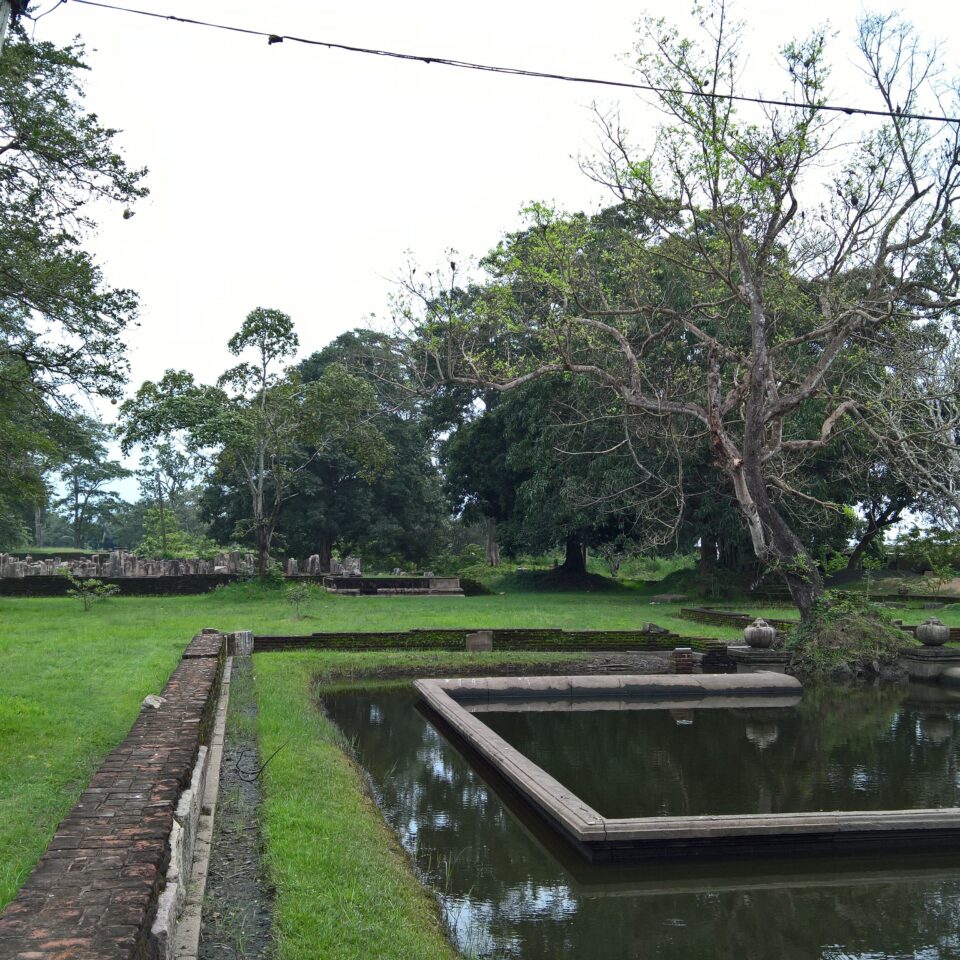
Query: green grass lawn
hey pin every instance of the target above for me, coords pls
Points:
(344, 886)
(71, 682)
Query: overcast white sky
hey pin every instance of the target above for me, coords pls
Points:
(296, 177)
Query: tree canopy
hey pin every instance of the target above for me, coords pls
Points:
(731, 299)
(61, 322)
(260, 420)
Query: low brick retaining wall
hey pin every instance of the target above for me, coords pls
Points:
(552, 641)
(94, 892)
(725, 618)
(728, 618)
(57, 586)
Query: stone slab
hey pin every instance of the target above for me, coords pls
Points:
(457, 701)
(929, 663)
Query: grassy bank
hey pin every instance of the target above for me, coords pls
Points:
(344, 886)
(67, 697)
(71, 682)
(266, 610)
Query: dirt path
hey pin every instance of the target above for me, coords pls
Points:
(238, 899)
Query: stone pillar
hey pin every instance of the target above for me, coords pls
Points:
(682, 660)
(240, 643)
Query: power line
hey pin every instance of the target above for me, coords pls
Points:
(273, 38)
(46, 13)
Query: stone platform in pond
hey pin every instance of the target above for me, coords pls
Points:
(457, 706)
(932, 664)
(394, 586)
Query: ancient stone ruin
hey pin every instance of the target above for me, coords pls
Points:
(119, 563)
(311, 567)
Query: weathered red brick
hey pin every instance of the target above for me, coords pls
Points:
(103, 870)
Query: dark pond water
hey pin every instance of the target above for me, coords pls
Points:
(824, 753)
(511, 888)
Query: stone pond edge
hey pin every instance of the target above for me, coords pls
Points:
(599, 838)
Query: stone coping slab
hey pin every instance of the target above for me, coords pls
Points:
(649, 686)
(588, 704)
(599, 838)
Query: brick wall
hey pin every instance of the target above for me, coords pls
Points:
(728, 618)
(94, 892)
(543, 640)
(57, 586)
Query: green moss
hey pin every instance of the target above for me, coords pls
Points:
(846, 634)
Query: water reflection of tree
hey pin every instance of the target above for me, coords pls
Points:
(512, 900)
(837, 749)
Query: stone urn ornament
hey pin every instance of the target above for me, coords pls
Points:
(933, 633)
(760, 635)
(762, 735)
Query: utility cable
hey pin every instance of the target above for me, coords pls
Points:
(273, 38)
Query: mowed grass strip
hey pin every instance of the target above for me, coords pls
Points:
(69, 692)
(71, 682)
(345, 890)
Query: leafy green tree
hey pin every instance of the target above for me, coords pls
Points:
(165, 476)
(935, 551)
(61, 324)
(530, 462)
(164, 540)
(261, 420)
(56, 160)
(85, 477)
(743, 306)
(479, 478)
(390, 517)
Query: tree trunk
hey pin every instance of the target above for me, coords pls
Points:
(493, 550)
(325, 553)
(575, 559)
(708, 554)
(875, 525)
(774, 543)
(783, 549)
(856, 557)
(263, 551)
(39, 527)
(163, 519)
(77, 516)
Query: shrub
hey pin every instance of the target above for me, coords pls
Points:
(846, 634)
(91, 591)
(474, 588)
(298, 594)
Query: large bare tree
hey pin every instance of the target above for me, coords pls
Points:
(782, 274)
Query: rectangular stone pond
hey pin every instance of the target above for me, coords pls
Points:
(571, 745)
(512, 886)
